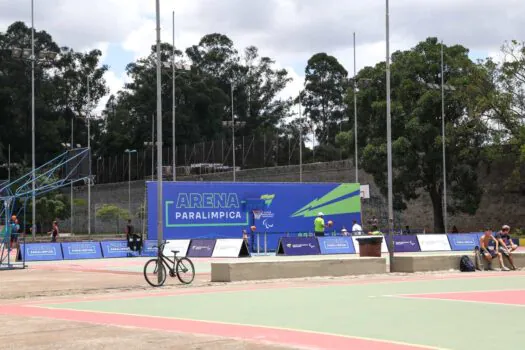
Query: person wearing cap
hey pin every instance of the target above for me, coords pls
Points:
(506, 246)
(490, 254)
(319, 225)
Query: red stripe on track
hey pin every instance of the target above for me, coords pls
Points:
(249, 333)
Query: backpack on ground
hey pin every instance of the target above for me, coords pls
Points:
(466, 265)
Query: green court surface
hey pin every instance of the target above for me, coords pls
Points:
(488, 311)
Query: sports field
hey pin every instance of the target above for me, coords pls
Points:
(106, 304)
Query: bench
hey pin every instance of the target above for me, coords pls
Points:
(260, 269)
(446, 261)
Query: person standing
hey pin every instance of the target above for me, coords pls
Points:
(357, 229)
(54, 232)
(129, 230)
(319, 225)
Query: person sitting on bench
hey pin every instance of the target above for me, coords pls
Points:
(506, 246)
(489, 254)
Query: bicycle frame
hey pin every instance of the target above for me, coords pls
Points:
(165, 260)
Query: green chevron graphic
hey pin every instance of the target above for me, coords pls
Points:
(268, 199)
(329, 205)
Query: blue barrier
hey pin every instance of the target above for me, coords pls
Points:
(117, 249)
(463, 241)
(149, 248)
(202, 248)
(404, 243)
(336, 245)
(40, 252)
(81, 250)
(298, 246)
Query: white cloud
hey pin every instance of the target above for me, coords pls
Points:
(289, 31)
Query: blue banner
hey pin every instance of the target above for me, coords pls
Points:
(463, 241)
(150, 248)
(404, 243)
(81, 250)
(40, 252)
(298, 246)
(202, 248)
(116, 249)
(198, 210)
(336, 245)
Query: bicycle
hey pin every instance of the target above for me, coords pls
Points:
(176, 267)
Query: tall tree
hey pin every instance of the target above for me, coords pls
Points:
(416, 127)
(60, 93)
(323, 95)
(508, 109)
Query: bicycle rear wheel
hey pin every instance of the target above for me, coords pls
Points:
(185, 270)
(151, 270)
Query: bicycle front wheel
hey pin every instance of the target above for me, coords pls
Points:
(185, 270)
(151, 273)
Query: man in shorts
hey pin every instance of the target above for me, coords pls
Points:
(506, 246)
(489, 254)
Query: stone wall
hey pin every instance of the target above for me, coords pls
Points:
(497, 206)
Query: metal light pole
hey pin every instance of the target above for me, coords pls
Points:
(233, 134)
(173, 99)
(72, 207)
(9, 164)
(128, 151)
(355, 117)
(33, 151)
(389, 142)
(159, 148)
(300, 142)
(89, 155)
(445, 215)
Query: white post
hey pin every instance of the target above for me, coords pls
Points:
(9, 164)
(129, 182)
(173, 98)
(355, 117)
(389, 141)
(89, 155)
(233, 134)
(72, 207)
(445, 215)
(159, 147)
(33, 161)
(300, 142)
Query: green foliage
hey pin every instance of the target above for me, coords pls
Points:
(109, 213)
(322, 98)
(51, 207)
(202, 96)
(61, 94)
(79, 202)
(416, 127)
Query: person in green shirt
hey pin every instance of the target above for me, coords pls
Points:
(319, 225)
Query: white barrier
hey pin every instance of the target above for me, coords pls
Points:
(433, 243)
(181, 245)
(230, 248)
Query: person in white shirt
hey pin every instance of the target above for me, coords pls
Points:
(357, 229)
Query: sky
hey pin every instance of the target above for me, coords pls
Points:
(289, 31)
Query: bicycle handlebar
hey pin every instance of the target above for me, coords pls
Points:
(161, 245)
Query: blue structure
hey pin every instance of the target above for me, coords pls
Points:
(223, 210)
(70, 167)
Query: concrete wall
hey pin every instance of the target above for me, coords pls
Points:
(497, 206)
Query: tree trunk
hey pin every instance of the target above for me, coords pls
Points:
(437, 207)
